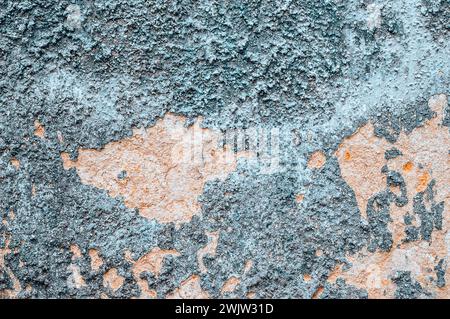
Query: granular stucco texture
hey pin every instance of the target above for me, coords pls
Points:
(225, 149)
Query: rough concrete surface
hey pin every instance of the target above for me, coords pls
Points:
(224, 149)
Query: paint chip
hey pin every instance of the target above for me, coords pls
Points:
(76, 252)
(318, 292)
(299, 198)
(96, 260)
(15, 162)
(424, 157)
(151, 262)
(317, 160)
(39, 129)
(209, 249)
(112, 280)
(189, 289)
(166, 168)
(230, 285)
(75, 280)
(251, 295)
(248, 266)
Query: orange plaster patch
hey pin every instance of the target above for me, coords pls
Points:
(189, 289)
(210, 248)
(112, 279)
(96, 260)
(75, 280)
(317, 160)
(425, 158)
(299, 198)
(150, 262)
(230, 285)
(15, 162)
(16, 287)
(39, 129)
(160, 170)
(76, 252)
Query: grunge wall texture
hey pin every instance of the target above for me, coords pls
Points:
(96, 96)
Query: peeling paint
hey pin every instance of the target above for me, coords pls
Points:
(189, 289)
(317, 160)
(150, 262)
(112, 279)
(209, 249)
(16, 286)
(96, 260)
(165, 168)
(424, 158)
(127, 169)
(75, 280)
(230, 285)
(39, 129)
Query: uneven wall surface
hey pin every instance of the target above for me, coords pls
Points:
(216, 149)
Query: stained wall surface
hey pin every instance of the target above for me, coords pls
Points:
(225, 149)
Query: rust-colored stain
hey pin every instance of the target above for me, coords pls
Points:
(96, 260)
(425, 158)
(423, 181)
(407, 167)
(230, 285)
(317, 160)
(39, 129)
(15, 162)
(373, 271)
(150, 262)
(209, 249)
(189, 289)
(317, 293)
(347, 155)
(112, 280)
(160, 170)
(425, 152)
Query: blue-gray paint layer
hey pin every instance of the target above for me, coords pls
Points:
(94, 70)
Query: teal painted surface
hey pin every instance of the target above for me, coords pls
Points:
(317, 70)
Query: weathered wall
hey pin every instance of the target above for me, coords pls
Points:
(129, 165)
